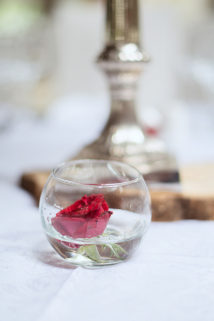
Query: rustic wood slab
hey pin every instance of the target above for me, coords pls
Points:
(194, 201)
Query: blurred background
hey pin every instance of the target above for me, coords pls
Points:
(54, 100)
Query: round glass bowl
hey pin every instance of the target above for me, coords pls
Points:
(95, 212)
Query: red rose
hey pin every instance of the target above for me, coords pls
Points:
(87, 217)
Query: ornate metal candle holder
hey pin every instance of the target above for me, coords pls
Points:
(123, 60)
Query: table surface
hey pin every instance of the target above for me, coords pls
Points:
(171, 277)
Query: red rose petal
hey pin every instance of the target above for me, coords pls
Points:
(86, 218)
(85, 205)
(67, 226)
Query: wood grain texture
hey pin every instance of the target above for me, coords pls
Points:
(195, 201)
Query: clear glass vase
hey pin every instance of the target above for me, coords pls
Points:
(95, 212)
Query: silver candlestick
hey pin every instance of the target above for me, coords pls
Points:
(123, 60)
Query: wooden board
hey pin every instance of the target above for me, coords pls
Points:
(194, 201)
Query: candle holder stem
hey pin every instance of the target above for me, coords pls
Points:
(123, 60)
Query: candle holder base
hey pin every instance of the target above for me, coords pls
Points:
(149, 155)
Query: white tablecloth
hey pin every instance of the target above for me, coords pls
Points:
(171, 277)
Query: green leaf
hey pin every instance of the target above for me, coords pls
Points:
(81, 250)
(92, 252)
(119, 249)
(116, 250)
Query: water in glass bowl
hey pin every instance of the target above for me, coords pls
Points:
(118, 242)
